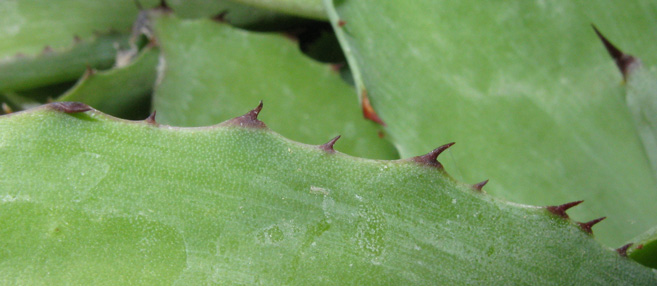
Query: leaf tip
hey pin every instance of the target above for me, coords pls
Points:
(368, 110)
(70, 107)
(328, 146)
(560, 210)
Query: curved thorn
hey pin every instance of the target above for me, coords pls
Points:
(151, 118)
(250, 119)
(560, 210)
(70, 107)
(480, 186)
(431, 158)
(623, 60)
(623, 249)
(586, 226)
(328, 146)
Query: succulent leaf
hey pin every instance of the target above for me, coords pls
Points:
(527, 90)
(227, 204)
(211, 71)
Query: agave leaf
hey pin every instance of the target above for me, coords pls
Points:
(27, 26)
(527, 90)
(55, 66)
(644, 249)
(230, 204)
(120, 90)
(211, 71)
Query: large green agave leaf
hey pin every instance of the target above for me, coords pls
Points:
(91, 199)
(210, 71)
(526, 88)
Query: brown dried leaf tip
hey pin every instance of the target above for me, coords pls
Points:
(624, 61)
(151, 118)
(70, 107)
(250, 119)
(480, 186)
(328, 146)
(561, 209)
(431, 158)
(623, 249)
(586, 226)
(368, 110)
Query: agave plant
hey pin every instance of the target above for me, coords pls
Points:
(203, 191)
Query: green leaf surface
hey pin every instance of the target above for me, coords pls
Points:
(525, 89)
(27, 26)
(212, 71)
(644, 249)
(234, 205)
(304, 8)
(642, 101)
(118, 91)
(65, 64)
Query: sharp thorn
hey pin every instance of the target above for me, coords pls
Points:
(586, 226)
(151, 118)
(624, 61)
(221, 17)
(480, 186)
(560, 210)
(70, 107)
(328, 146)
(250, 119)
(623, 249)
(431, 158)
(89, 71)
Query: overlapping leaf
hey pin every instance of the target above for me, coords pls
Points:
(211, 71)
(525, 88)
